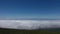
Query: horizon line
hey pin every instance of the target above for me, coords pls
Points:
(28, 19)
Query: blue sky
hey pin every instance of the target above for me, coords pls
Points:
(30, 9)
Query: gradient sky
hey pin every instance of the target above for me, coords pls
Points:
(30, 9)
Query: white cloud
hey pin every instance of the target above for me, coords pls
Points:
(29, 24)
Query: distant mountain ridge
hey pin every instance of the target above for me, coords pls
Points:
(28, 19)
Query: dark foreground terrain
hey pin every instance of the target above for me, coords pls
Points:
(41, 31)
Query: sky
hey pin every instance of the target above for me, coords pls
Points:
(30, 9)
(40, 9)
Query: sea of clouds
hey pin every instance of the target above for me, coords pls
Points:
(29, 24)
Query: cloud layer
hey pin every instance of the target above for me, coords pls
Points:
(29, 24)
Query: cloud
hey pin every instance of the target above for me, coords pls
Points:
(29, 24)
